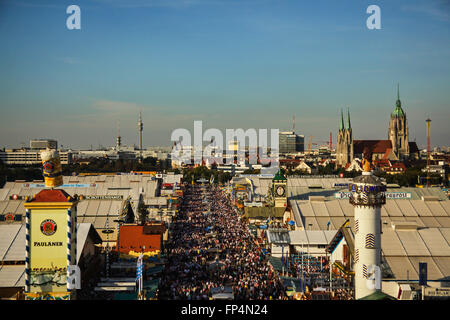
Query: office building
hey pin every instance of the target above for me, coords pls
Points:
(289, 142)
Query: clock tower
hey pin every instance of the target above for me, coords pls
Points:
(279, 190)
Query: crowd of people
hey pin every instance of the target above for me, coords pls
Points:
(315, 272)
(210, 247)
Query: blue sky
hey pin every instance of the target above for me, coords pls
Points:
(233, 64)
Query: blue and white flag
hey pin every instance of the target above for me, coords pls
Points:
(139, 267)
(174, 187)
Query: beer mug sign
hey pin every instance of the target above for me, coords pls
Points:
(51, 168)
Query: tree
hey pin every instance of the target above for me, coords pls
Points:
(142, 213)
(328, 169)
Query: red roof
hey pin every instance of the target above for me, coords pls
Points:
(290, 160)
(52, 195)
(399, 165)
(133, 238)
(382, 163)
(375, 146)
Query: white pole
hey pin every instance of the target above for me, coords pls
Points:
(331, 277)
(107, 248)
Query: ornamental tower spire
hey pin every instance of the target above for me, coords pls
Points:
(349, 126)
(398, 129)
(398, 111)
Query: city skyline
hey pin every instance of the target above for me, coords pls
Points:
(232, 64)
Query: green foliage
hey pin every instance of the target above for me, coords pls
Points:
(142, 213)
(96, 165)
(410, 177)
(26, 173)
(120, 165)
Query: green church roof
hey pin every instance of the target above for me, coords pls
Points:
(279, 176)
(341, 125)
(349, 126)
(398, 111)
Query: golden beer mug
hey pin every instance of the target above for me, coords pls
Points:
(51, 166)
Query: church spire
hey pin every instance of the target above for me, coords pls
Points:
(349, 126)
(398, 111)
(398, 103)
(341, 126)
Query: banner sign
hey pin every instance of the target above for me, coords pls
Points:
(253, 204)
(105, 197)
(340, 185)
(10, 217)
(16, 197)
(398, 195)
(437, 292)
(42, 185)
(389, 195)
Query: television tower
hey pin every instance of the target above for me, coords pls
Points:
(367, 197)
(140, 128)
(118, 140)
(293, 123)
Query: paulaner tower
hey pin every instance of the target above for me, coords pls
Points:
(51, 270)
(368, 195)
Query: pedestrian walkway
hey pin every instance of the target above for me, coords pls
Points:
(210, 247)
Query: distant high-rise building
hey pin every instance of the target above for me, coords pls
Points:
(30, 156)
(289, 142)
(43, 144)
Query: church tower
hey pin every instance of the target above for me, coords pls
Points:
(344, 147)
(398, 130)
